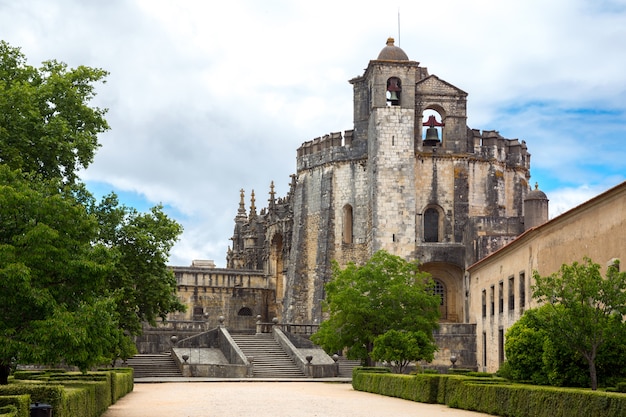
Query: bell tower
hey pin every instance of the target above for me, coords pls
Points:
(384, 116)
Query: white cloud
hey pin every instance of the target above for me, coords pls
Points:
(207, 98)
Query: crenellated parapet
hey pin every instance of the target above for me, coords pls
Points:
(490, 144)
(332, 147)
(332, 140)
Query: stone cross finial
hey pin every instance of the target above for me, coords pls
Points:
(241, 213)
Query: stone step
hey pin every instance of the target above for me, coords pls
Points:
(346, 366)
(155, 365)
(269, 359)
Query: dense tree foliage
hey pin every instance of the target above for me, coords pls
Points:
(400, 348)
(534, 354)
(576, 337)
(46, 124)
(588, 303)
(78, 277)
(365, 302)
(139, 243)
(53, 275)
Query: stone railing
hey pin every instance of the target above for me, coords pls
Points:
(300, 329)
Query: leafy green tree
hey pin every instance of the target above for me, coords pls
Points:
(46, 124)
(51, 270)
(77, 277)
(524, 346)
(365, 302)
(142, 284)
(537, 356)
(585, 306)
(400, 348)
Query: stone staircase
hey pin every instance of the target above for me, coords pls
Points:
(346, 366)
(153, 366)
(270, 360)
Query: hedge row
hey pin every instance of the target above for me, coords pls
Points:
(69, 394)
(8, 411)
(492, 396)
(20, 404)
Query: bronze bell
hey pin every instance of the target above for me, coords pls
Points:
(432, 137)
(393, 98)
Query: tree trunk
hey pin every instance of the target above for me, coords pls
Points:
(593, 374)
(5, 371)
(368, 359)
(591, 360)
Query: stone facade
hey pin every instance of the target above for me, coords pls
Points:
(410, 177)
(239, 295)
(447, 200)
(500, 285)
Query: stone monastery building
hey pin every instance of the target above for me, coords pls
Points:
(410, 177)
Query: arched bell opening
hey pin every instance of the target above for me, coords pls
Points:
(394, 91)
(433, 124)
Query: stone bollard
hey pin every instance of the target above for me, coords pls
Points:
(251, 366)
(259, 327)
(309, 366)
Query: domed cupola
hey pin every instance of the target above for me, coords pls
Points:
(392, 52)
(535, 208)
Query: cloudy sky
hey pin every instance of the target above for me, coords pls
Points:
(208, 97)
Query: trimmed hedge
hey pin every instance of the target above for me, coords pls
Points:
(486, 396)
(8, 411)
(122, 382)
(70, 394)
(21, 403)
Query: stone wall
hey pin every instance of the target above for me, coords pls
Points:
(237, 295)
(500, 289)
(458, 341)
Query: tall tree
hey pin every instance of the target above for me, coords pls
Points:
(585, 306)
(141, 282)
(46, 124)
(367, 301)
(77, 277)
(52, 272)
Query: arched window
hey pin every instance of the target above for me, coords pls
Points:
(431, 225)
(394, 90)
(244, 311)
(347, 223)
(440, 290)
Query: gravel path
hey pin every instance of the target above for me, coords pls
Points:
(265, 399)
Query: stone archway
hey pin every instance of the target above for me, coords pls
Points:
(449, 282)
